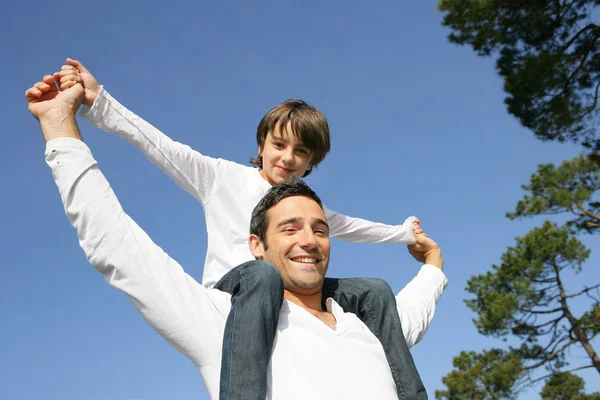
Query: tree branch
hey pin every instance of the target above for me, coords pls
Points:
(560, 372)
(587, 289)
(588, 27)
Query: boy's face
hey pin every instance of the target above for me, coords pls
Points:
(284, 157)
(298, 244)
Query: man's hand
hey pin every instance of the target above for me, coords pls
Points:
(74, 72)
(44, 98)
(427, 251)
(55, 109)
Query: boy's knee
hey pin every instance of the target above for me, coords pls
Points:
(263, 273)
(378, 287)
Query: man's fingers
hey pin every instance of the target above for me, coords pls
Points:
(42, 86)
(49, 80)
(32, 93)
(56, 76)
(77, 65)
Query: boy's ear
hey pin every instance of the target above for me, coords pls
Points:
(260, 151)
(256, 247)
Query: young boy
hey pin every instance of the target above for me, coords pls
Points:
(292, 138)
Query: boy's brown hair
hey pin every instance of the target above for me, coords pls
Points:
(308, 124)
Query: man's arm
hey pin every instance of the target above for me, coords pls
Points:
(416, 303)
(195, 173)
(185, 313)
(188, 315)
(353, 229)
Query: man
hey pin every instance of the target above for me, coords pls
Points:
(288, 230)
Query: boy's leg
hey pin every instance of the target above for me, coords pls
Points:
(256, 296)
(373, 301)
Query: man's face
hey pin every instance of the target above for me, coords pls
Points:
(284, 156)
(297, 244)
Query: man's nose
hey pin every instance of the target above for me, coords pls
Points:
(308, 240)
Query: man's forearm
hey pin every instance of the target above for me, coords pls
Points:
(59, 124)
(434, 257)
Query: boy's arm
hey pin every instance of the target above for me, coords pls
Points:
(188, 315)
(197, 174)
(194, 172)
(353, 229)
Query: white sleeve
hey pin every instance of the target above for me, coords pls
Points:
(353, 229)
(416, 302)
(188, 315)
(195, 173)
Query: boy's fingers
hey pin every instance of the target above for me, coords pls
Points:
(77, 65)
(69, 72)
(66, 85)
(68, 78)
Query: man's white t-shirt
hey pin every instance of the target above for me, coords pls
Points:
(309, 360)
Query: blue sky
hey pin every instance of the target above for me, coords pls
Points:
(418, 128)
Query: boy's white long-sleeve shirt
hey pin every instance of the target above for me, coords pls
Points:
(192, 317)
(228, 191)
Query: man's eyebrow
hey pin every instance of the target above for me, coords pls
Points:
(320, 221)
(292, 220)
(295, 220)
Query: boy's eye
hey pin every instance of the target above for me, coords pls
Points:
(304, 152)
(278, 145)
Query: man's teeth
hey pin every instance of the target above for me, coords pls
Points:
(306, 260)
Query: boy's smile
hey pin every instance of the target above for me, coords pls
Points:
(284, 156)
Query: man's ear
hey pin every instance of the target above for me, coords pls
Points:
(256, 247)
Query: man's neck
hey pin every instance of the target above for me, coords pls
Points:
(311, 302)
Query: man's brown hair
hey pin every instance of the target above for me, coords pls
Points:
(308, 124)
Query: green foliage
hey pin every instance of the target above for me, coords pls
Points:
(590, 321)
(510, 298)
(566, 386)
(547, 52)
(524, 299)
(568, 188)
(487, 376)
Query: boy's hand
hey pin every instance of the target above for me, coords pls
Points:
(74, 72)
(416, 225)
(427, 251)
